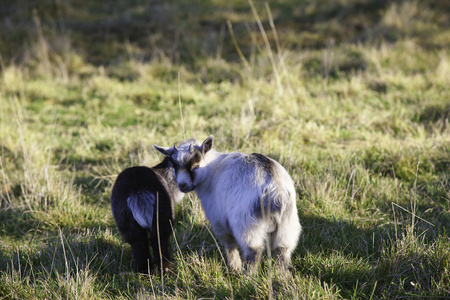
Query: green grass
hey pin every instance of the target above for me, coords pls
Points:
(351, 97)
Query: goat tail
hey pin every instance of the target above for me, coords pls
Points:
(276, 200)
(141, 205)
(288, 224)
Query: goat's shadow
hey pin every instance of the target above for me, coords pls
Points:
(340, 253)
(90, 251)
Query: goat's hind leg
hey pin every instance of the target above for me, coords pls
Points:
(140, 251)
(252, 242)
(283, 259)
(161, 261)
(253, 259)
(283, 245)
(284, 240)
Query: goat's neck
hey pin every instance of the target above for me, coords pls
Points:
(167, 178)
(212, 160)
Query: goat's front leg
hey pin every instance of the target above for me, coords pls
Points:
(231, 247)
(233, 257)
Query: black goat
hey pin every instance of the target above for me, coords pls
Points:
(139, 198)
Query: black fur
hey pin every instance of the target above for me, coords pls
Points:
(139, 182)
(262, 161)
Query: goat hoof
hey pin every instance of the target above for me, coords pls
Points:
(167, 267)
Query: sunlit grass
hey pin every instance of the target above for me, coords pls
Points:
(352, 99)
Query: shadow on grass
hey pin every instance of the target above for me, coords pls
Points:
(60, 257)
(16, 223)
(385, 260)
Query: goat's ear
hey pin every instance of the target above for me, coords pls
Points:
(167, 151)
(207, 144)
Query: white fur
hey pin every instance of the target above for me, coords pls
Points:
(230, 188)
(141, 206)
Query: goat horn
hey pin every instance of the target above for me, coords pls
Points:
(191, 148)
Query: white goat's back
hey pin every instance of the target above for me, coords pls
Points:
(253, 196)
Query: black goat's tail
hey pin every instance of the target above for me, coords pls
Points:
(142, 205)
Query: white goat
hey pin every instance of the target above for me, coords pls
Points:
(248, 199)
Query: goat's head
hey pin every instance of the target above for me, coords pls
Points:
(187, 161)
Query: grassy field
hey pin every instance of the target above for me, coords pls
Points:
(352, 97)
